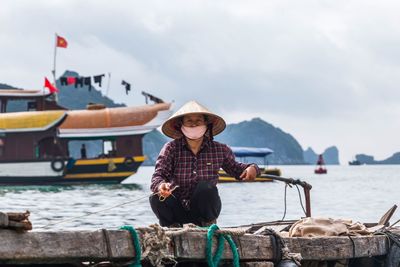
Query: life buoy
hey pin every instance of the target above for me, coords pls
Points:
(128, 161)
(57, 165)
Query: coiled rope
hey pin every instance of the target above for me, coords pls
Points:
(285, 254)
(393, 237)
(136, 245)
(214, 260)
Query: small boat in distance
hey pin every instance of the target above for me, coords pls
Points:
(243, 153)
(320, 169)
(354, 162)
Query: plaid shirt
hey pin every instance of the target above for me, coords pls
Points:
(178, 165)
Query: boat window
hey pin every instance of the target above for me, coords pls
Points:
(85, 148)
(109, 148)
(48, 148)
(32, 106)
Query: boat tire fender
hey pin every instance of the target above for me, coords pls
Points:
(129, 161)
(57, 165)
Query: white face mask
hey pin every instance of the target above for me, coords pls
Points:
(195, 132)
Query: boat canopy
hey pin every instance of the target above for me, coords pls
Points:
(22, 94)
(30, 121)
(251, 151)
(108, 122)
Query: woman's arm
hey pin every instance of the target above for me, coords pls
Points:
(237, 169)
(164, 167)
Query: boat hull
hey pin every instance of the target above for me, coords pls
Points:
(64, 172)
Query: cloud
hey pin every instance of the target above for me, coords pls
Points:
(312, 67)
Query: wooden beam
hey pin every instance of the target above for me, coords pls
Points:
(116, 245)
(387, 216)
(340, 247)
(253, 247)
(250, 247)
(64, 247)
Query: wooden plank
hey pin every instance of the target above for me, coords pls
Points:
(341, 247)
(250, 247)
(71, 246)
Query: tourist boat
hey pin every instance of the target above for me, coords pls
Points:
(42, 146)
(320, 169)
(243, 153)
(354, 162)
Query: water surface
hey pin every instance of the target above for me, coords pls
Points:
(360, 193)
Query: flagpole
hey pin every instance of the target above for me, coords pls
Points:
(44, 88)
(54, 62)
(54, 67)
(108, 83)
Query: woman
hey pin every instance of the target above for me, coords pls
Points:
(187, 168)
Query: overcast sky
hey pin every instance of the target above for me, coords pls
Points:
(326, 72)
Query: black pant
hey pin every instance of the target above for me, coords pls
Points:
(205, 206)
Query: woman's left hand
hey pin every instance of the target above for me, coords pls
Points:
(249, 174)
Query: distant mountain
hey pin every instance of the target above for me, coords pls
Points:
(258, 133)
(310, 157)
(330, 155)
(6, 86)
(394, 159)
(366, 159)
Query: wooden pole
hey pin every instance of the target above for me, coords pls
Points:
(108, 83)
(307, 187)
(54, 60)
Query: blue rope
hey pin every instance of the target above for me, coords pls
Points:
(214, 260)
(136, 245)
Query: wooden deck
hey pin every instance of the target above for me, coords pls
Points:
(116, 246)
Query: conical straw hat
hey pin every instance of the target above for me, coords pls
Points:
(171, 127)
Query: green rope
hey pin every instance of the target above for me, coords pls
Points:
(214, 260)
(136, 245)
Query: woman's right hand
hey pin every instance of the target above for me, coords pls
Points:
(164, 189)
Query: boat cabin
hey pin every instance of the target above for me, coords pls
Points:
(36, 100)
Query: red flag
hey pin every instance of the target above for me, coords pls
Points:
(61, 42)
(51, 87)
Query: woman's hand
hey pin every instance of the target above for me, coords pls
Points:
(164, 190)
(249, 174)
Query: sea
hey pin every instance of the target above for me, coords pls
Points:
(360, 193)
